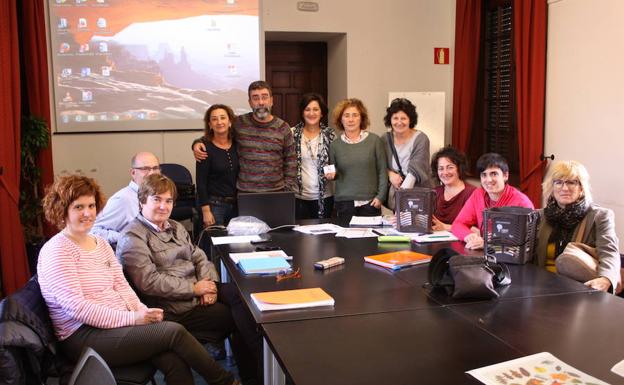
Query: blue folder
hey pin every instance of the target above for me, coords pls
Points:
(266, 265)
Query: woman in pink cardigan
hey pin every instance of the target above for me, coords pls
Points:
(495, 192)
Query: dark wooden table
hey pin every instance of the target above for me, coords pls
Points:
(357, 287)
(426, 346)
(387, 328)
(585, 330)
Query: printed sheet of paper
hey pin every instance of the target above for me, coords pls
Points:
(356, 233)
(618, 368)
(541, 368)
(234, 239)
(321, 228)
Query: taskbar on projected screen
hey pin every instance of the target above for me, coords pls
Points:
(128, 125)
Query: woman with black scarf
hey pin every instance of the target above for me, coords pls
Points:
(570, 209)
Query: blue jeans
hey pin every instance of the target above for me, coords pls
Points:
(223, 212)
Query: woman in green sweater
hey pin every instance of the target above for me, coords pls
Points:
(359, 159)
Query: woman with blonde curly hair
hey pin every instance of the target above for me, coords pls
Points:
(569, 210)
(91, 303)
(359, 158)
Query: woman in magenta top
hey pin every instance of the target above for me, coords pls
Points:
(448, 167)
(494, 192)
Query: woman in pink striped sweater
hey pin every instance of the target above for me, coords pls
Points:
(494, 192)
(91, 303)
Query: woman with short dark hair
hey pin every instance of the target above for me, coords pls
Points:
(448, 167)
(314, 193)
(91, 303)
(494, 192)
(169, 272)
(407, 149)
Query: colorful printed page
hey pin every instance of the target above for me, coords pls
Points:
(537, 369)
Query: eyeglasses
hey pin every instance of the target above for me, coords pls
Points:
(558, 183)
(284, 275)
(147, 168)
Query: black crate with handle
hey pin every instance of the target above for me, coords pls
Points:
(510, 233)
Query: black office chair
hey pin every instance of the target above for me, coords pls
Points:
(91, 369)
(185, 203)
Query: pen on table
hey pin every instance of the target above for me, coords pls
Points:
(437, 236)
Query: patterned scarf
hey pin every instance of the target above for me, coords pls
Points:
(564, 221)
(327, 135)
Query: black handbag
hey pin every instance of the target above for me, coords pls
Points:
(467, 276)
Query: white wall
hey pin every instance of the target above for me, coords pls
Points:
(585, 94)
(389, 46)
(373, 48)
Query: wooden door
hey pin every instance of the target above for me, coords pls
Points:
(293, 69)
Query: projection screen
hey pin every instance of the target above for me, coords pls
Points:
(143, 65)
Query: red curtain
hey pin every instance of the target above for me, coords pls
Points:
(12, 250)
(467, 45)
(36, 77)
(529, 33)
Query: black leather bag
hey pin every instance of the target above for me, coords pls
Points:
(467, 276)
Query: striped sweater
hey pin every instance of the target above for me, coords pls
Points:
(84, 287)
(266, 153)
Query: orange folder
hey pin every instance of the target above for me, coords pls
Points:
(398, 259)
(292, 299)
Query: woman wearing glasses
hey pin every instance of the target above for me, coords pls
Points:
(171, 273)
(217, 173)
(570, 209)
(407, 149)
(314, 193)
(359, 159)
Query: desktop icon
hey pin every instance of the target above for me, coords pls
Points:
(66, 72)
(82, 22)
(62, 23)
(78, 118)
(106, 70)
(68, 98)
(84, 48)
(65, 118)
(64, 48)
(90, 118)
(101, 22)
(85, 71)
(103, 117)
(103, 46)
(87, 96)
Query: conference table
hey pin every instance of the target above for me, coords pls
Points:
(389, 327)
